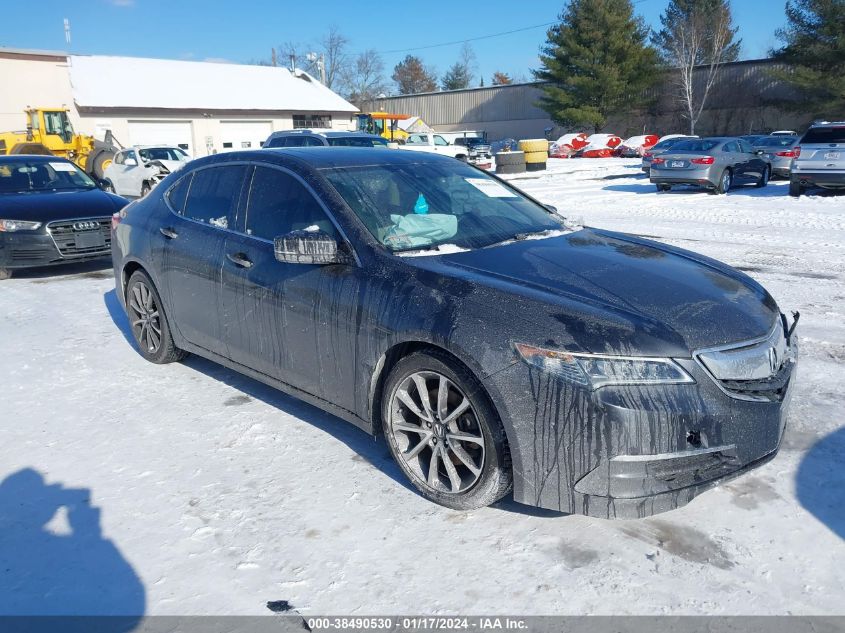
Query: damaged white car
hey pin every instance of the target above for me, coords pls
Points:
(135, 171)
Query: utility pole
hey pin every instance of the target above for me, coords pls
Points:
(67, 31)
(273, 61)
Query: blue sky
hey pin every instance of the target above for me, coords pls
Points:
(245, 30)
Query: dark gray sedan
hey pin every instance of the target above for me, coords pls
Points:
(778, 150)
(493, 347)
(714, 163)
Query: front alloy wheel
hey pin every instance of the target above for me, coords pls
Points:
(444, 433)
(436, 430)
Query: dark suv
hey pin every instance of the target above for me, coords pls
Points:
(495, 348)
(311, 138)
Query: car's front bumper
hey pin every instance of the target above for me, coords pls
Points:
(628, 452)
(30, 249)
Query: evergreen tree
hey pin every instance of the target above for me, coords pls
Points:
(596, 62)
(815, 54)
(456, 78)
(411, 76)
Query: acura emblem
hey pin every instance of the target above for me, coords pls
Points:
(85, 225)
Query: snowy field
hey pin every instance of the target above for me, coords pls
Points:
(188, 489)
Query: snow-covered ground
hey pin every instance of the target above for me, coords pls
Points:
(211, 493)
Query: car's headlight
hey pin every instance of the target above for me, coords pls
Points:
(598, 370)
(11, 226)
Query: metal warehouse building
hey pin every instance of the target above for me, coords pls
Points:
(203, 107)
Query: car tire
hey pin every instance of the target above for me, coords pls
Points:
(5, 273)
(148, 321)
(664, 187)
(795, 189)
(533, 145)
(469, 473)
(510, 169)
(510, 158)
(101, 163)
(535, 166)
(145, 189)
(764, 177)
(725, 182)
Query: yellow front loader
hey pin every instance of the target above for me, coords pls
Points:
(49, 131)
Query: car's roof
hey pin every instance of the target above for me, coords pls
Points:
(33, 158)
(162, 146)
(327, 157)
(326, 133)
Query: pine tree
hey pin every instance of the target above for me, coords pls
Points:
(411, 76)
(814, 53)
(456, 78)
(596, 62)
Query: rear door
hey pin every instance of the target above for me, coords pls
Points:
(189, 247)
(288, 321)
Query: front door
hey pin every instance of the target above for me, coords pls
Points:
(288, 321)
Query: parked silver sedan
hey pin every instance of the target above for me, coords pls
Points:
(714, 163)
(778, 150)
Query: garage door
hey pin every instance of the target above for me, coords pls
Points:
(236, 135)
(176, 133)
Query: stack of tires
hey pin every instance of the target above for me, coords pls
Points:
(536, 153)
(510, 162)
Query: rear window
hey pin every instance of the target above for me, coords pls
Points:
(695, 145)
(824, 135)
(777, 141)
(669, 142)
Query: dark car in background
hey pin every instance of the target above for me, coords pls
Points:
(714, 163)
(479, 152)
(319, 138)
(494, 348)
(51, 213)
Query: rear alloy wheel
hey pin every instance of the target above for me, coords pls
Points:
(764, 177)
(148, 321)
(725, 182)
(444, 433)
(795, 189)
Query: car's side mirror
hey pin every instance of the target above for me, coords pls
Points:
(130, 162)
(310, 247)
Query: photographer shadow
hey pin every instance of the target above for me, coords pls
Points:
(54, 560)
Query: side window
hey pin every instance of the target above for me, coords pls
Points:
(415, 139)
(731, 147)
(439, 140)
(294, 141)
(278, 141)
(311, 141)
(178, 193)
(745, 147)
(279, 204)
(214, 194)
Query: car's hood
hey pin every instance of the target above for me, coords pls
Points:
(59, 205)
(170, 165)
(654, 292)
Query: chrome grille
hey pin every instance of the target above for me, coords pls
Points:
(73, 237)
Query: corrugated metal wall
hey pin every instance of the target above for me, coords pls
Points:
(739, 101)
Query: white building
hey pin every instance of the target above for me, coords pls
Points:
(203, 107)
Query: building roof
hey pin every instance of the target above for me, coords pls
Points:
(133, 82)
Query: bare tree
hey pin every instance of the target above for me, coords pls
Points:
(696, 39)
(364, 79)
(330, 56)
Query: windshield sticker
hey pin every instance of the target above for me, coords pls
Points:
(491, 188)
(62, 167)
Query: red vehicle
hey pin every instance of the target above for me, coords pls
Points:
(636, 146)
(600, 146)
(567, 145)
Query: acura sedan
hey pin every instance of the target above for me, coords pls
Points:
(51, 212)
(492, 346)
(714, 163)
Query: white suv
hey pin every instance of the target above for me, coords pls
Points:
(819, 158)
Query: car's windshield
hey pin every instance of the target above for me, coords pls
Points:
(22, 176)
(162, 153)
(419, 206)
(694, 145)
(357, 141)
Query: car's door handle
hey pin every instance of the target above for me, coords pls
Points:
(239, 259)
(169, 233)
